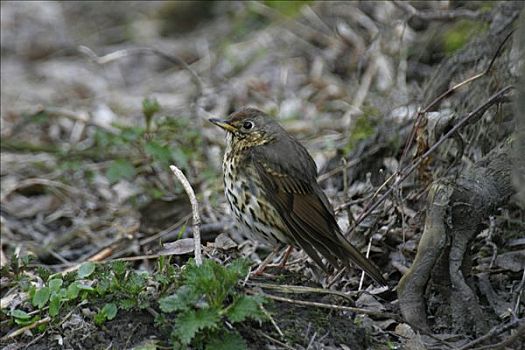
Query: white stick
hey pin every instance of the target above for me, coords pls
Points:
(195, 210)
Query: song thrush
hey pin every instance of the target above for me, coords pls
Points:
(271, 186)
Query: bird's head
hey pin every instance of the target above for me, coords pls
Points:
(249, 127)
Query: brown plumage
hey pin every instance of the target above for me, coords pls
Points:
(271, 186)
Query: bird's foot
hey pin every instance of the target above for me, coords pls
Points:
(264, 264)
(286, 255)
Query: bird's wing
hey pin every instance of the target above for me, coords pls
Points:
(291, 186)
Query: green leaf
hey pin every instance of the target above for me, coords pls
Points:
(127, 303)
(203, 279)
(159, 153)
(85, 287)
(214, 280)
(245, 307)
(41, 297)
(62, 293)
(43, 273)
(131, 134)
(119, 267)
(110, 310)
(41, 327)
(192, 321)
(22, 322)
(99, 318)
(54, 305)
(183, 299)
(181, 231)
(239, 268)
(227, 341)
(20, 314)
(150, 107)
(120, 169)
(73, 290)
(86, 269)
(55, 284)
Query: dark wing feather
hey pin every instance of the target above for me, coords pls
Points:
(291, 186)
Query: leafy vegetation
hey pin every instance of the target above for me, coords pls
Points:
(194, 302)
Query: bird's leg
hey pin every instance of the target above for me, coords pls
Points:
(286, 255)
(262, 266)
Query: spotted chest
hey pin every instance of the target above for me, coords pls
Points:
(247, 199)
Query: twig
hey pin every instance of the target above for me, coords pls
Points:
(362, 279)
(311, 341)
(332, 306)
(195, 211)
(286, 288)
(26, 328)
(278, 342)
(267, 314)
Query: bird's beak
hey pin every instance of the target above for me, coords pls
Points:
(223, 124)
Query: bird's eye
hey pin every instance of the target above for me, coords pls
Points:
(247, 125)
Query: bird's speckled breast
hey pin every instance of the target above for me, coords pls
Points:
(247, 200)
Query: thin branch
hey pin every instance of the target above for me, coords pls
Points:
(278, 342)
(26, 328)
(195, 211)
(269, 316)
(286, 288)
(333, 306)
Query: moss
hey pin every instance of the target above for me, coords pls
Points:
(363, 128)
(459, 34)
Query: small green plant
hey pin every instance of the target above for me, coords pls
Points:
(207, 298)
(149, 108)
(194, 301)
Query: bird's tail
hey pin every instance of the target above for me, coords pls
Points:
(352, 254)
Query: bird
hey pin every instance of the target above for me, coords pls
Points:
(270, 182)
